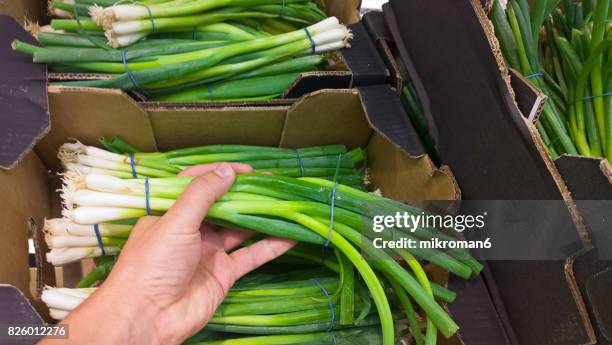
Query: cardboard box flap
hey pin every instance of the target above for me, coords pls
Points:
(493, 151)
(591, 274)
(25, 11)
(23, 97)
(374, 21)
(376, 26)
(362, 58)
(590, 179)
(310, 121)
(469, 100)
(598, 292)
(587, 178)
(115, 112)
(475, 313)
(387, 114)
(16, 309)
(529, 99)
(413, 72)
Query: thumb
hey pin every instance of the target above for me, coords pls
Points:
(191, 207)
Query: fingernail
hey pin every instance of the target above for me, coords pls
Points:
(224, 171)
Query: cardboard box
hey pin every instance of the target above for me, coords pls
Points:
(37, 121)
(453, 59)
(358, 66)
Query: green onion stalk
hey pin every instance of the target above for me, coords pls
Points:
(563, 51)
(233, 89)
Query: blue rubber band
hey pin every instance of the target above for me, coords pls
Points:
(282, 10)
(300, 162)
(147, 201)
(312, 42)
(99, 238)
(210, 92)
(333, 206)
(133, 165)
(539, 74)
(194, 32)
(130, 74)
(588, 98)
(329, 302)
(150, 17)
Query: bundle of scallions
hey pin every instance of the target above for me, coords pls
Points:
(564, 49)
(197, 50)
(331, 162)
(366, 294)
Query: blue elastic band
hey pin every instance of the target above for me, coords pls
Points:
(299, 158)
(130, 74)
(150, 17)
(329, 302)
(99, 238)
(282, 10)
(539, 74)
(312, 42)
(147, 202)
(194, 32)
(133, 165)
(333, 206)
(593, 97)
(210, 92)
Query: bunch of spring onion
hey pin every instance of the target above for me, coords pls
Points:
(565, 51)
(251, 308)
(332, 162)
(279, 206)
(192, 70)
(123, 24)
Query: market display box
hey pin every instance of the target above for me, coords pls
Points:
(38, 120)
(470, 98)
(359, 65)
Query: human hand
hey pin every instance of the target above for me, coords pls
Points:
(175, 271)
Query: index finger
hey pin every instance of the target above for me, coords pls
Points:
(190, 208)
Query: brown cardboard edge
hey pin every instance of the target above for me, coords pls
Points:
(393, 68)
(487, 5)
(492, 39)
(606, 169)
(487, 27)
(536, 111)
(578, 298)
(565, 193)
(36, 233)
